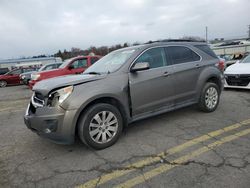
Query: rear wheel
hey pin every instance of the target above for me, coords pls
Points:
(100, 126)
(3, 83)
(210, 97)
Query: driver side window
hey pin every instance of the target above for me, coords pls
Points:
(155, 57)
(79, 63)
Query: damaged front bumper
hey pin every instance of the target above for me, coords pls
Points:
(53, 123)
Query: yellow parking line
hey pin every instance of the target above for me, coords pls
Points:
(164, 168)
(149, 160)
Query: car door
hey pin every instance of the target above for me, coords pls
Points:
(78, 66)
(13, 76)
(151, 89)
(186, 71)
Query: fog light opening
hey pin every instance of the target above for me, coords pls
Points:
(50, 126)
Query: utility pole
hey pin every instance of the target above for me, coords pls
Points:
(248, 31)
(206, 33)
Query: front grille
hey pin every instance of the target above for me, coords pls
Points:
(238, 80)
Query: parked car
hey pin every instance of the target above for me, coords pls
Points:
(74, 65)
(26, 77)
(12, 77)
(238, 74)
(125, 86)
(3, 71)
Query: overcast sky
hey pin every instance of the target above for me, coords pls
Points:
(33, 27)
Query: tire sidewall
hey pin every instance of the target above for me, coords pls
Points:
(202, 102)
(85, 119)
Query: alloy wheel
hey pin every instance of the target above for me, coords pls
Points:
(211, 97)
(103, 127)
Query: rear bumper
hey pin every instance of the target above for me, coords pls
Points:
(53, 123)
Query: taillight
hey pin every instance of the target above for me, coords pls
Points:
(221, 65)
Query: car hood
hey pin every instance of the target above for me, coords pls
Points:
(45, 86)
(238, 68)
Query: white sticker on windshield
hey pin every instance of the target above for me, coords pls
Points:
(128, 51)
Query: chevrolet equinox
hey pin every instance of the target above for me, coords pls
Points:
(126, 85)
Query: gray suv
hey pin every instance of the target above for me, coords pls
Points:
(125, 86)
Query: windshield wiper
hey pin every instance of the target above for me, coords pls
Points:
(97, 73)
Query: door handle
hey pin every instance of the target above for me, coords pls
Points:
(165, 74)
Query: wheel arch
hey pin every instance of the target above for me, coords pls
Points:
(104, 99)
(211, 74)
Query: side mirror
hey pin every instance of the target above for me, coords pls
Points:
(140, 66)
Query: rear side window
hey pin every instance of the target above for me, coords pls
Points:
(155, 57)
(206, 49)
(56, 65)
(49, 67)
(181, 54)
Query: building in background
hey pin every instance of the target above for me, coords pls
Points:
(28, 62)
(231, 50)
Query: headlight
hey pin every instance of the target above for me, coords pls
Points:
(58, 96)
(35, 76)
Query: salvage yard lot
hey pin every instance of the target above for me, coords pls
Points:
(184, 148)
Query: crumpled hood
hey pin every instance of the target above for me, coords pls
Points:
(45, 86)
(238, 68)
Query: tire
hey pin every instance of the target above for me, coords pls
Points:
(92, 128)
(3, 83)
(210, 97)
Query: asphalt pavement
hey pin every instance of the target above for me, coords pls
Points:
(183, 148)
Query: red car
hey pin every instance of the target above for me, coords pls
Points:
(12, 77)
(75, 65)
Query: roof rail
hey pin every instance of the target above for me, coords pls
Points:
(175, 40)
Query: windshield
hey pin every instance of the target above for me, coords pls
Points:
(111, 62)
(42, 67)
(65, 63)
(246, 59)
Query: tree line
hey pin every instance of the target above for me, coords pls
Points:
(103, 50)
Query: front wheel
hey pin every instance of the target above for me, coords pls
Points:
(210, 97)
(3, 83)
(100, 126)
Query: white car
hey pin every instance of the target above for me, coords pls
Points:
(238, 74)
